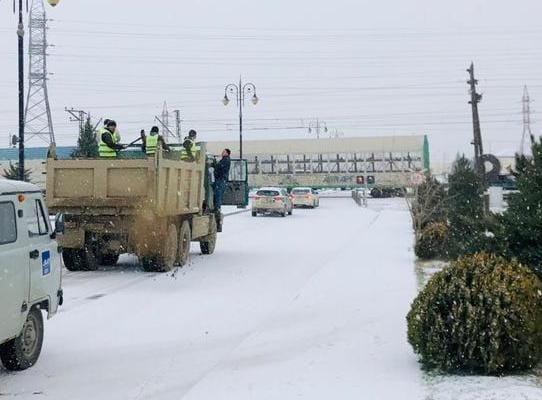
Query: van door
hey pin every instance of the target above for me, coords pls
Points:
(14, 273)
(44, 257)
(236, 192)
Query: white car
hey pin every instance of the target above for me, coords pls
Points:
(272, 200)
(30, 273)
(305, 197)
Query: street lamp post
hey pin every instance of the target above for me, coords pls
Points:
(20, 53)
(241, 91)
(20, 37)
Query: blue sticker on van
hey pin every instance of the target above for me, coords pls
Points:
(45, 263)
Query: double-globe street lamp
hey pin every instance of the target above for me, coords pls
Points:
(20, 53)
(241, 92)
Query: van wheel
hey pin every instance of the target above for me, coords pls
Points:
(23, 351)
(185, 237)
(73, 259)
(208, 243)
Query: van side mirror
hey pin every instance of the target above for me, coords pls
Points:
(59, 224)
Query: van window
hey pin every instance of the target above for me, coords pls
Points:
(8, 223)
(37, 224)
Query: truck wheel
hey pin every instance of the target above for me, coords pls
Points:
(110, 259)
(90, 259)
(254, 214)
(168, 256)
(23, 351)
(290, 212)
(73, 259)
(208, 243)
(185, 237)
(149, 264)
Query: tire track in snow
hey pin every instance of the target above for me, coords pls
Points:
(257, 331)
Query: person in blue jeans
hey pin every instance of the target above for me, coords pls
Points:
(222, 172)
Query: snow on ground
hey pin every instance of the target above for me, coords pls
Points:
(310, 306)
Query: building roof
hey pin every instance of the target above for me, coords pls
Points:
(414, 143)
(34, 153)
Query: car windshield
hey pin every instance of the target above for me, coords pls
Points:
(267, 193)
(301, 191)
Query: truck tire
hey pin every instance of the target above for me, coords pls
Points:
(168, 256)
(254, 214)
(290, 212)
(185, 238)
(165, 260)
(23, 351)
(208, 243)
(110, 259)
(149, 264)
(73, 259)
(90, 258)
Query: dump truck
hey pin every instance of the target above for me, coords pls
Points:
(153, 207)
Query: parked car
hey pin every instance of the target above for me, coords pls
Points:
(272, 200)
(305, 197)
(30, 272)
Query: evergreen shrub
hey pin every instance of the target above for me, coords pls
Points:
(431, 244)
(481, 314)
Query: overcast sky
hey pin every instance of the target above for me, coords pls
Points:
(365, 67)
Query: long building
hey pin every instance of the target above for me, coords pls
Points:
(334, 162)
(319, 163)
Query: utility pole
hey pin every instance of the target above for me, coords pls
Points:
(475, 98)
(77, 116)
(178, 124)
(165, 121)
(37, 115)
(317, 126)
(526, 101)
(20, 35)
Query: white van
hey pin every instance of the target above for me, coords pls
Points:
(30, 273)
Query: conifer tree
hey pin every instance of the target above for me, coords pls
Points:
(522, 222)
(12, 172)
(87, 145)
(465, 210)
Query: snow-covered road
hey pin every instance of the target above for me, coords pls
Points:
(310, 306)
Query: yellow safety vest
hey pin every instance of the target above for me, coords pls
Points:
(194, 149)
(151, 143)
(103, 149)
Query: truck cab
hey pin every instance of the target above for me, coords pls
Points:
(30, 273)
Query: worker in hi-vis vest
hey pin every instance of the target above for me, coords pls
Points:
(151, 142)
(107, 144)
(190, 150)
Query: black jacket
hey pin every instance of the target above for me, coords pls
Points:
(222, 169)
(107, 138)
